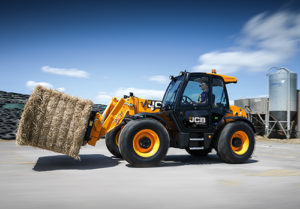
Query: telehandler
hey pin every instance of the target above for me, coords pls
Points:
(194, 115)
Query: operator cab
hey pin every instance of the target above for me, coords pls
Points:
(197, 100)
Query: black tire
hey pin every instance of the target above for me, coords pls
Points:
(239, 152)
(10, 135)
(139, 136)
(198, 153)
(111, 141)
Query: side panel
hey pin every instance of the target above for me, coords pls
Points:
(138, 105)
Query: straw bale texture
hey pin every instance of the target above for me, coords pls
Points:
(54, 121)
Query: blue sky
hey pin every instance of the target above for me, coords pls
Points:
(100, 49)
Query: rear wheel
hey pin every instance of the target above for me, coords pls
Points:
(236, 142)
(198, 153)
(144, 142)
(112, 141)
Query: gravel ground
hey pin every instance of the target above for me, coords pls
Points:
(286, 141)
(34, 178)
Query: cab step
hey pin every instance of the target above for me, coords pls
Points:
(196, 139)
(196, 148)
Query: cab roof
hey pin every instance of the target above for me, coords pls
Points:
(227, 79)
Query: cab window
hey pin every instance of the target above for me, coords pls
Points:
(171, 92)
(196, 91)
(219, 97)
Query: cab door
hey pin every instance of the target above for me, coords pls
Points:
(193, 107)
(219, 102)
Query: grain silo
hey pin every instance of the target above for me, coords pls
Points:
(283, 98)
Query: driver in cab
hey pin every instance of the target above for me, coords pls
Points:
(203, 98)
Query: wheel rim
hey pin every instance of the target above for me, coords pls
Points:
(239, 142)
(146, 143)
(117, 137)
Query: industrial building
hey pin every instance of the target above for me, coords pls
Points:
(278, 115)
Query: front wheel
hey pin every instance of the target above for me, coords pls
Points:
(112, 141)
(144, 142)
(236, 142)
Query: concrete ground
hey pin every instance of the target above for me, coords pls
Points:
(33, 178)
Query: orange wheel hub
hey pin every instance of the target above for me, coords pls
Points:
(117, 137)
(239, 142)
(146, 143)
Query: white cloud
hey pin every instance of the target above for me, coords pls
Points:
(105, 97)
(32, 84)
(61, 89)
(72, 72)
(160, 79)
(266, 41)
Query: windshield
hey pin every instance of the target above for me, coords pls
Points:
(171, 92)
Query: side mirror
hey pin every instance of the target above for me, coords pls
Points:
(172, 78)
